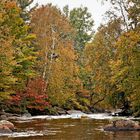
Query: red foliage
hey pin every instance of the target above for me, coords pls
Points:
(34, 97)
(36, 94)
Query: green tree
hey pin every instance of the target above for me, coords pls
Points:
(82, 21)
(25, 9)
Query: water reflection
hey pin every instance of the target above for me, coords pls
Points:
(124, 135)
(67, 129)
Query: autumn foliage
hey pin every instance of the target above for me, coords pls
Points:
(34, 97)
(52, 58)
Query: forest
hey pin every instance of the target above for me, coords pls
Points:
(53, 59)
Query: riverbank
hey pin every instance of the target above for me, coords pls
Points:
(65, 114)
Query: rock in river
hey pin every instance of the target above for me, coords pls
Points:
(123, 125)
(6, 126)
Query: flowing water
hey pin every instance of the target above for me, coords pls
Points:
(67, 127)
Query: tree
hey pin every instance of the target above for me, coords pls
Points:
(25, 10)
(129, 11)
(17, 53)
(56, 57)
(7, 58)
(97, 55)
(25, 55)
(82, 22)
(133, 13)
(126, 68)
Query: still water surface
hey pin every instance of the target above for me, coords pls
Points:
(67, 129)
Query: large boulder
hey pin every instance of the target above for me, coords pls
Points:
(123, 125)
(6, 127)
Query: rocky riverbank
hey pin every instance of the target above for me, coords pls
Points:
(125, 124)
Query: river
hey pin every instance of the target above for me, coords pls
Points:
(67, 127)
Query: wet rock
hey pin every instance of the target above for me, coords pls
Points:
(70, 112)
(121, 112)
(3, 117)
(116, 112)
(26, 115)
(6, 126)
(5, 129)
(97, 110)
(7, 116)
(60, 111)
(123, 125)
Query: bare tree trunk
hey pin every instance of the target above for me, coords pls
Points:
(52, 52)
(46, 75)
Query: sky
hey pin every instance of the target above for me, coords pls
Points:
(95, 7)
